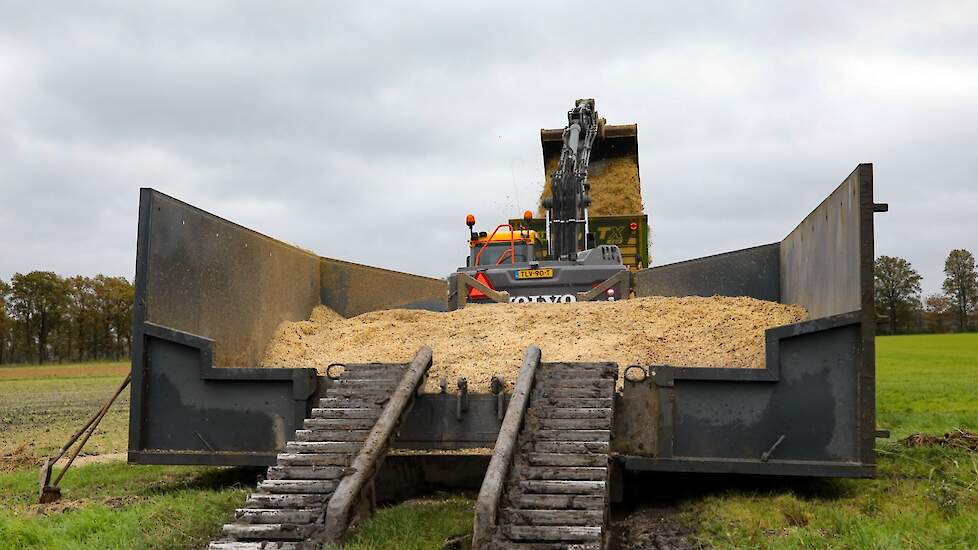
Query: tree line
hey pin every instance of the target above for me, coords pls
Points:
(48, 318)
(902, 308)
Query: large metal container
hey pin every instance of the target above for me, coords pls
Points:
(210, 293)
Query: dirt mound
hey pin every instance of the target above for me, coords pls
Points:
(961, 439)
(482, 340)
(615, 188)
(18, 457)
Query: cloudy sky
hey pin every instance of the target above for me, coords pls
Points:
(366, 131)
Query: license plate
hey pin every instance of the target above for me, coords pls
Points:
(535, 274)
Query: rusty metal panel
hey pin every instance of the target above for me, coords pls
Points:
(207, 276)
(637, 417)
(750, 272)
(351, 289)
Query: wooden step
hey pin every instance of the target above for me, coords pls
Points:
(585, 447)
(345, 447)
(561, 392)
(339, 423)
(372, 413)
(290, 486)
(308, 472)
(532, 501)
(566, 459)
(570, 423)
(537, 403)
(558, 473)
(517, 516)
(576, 382)
(570, 435)
(277, 515)
(595, 488)
(331, 435)
(554, 533)
(375, 392)
(315, 459)
(348, 403)
(284, 501)
(269, 531)
(570, 413)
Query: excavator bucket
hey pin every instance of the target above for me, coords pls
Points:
(612, 172)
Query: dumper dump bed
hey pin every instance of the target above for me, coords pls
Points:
(210, 293)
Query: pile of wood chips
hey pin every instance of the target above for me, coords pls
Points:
(480, 341)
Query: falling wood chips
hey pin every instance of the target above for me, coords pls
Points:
(615, 188)
(480, 341)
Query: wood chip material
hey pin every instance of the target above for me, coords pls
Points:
(615, 187)
(482, 340)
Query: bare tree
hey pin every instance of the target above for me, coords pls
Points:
(961, 283)
(897, 288)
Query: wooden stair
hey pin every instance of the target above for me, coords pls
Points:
(328, 467)
(555, 493)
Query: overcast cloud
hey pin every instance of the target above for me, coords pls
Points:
(366, 131)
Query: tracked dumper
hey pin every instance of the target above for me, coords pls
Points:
(210, 294)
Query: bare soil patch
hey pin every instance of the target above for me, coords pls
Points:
(958, 438)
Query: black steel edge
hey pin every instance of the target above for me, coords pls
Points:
(323, 259)
(858, 168)
(153, 193)
(814, 325)
(717, 255)
(201, 459)
(867, 385)
(209, 372)
(751, 467)
(304, 386)
(666, 375)
(138, 318)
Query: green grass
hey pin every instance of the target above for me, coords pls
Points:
(37, 416)
(115, 505)
(927, 383)
(923, 497)
(415, 525)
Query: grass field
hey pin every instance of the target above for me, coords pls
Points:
(924, 497)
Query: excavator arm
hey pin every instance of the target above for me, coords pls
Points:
(569, 199)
